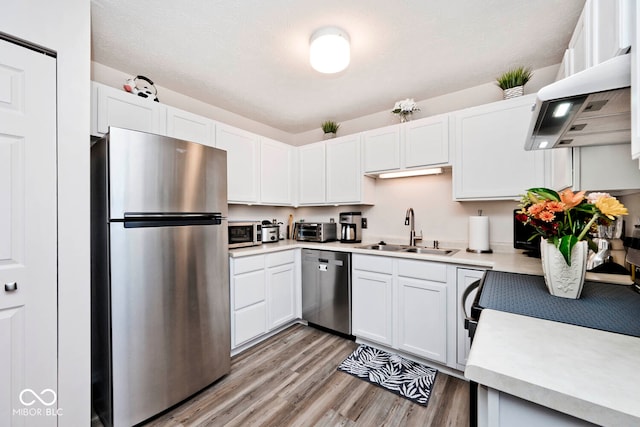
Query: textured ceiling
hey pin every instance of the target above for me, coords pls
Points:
(251, 56)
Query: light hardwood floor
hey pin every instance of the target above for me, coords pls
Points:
(291, 380)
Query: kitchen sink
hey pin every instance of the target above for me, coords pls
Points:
(431, 251)
(384, 247)
(409, 249)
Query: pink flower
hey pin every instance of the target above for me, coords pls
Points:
(547, 216)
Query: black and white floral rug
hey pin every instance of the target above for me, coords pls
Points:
(392, 372)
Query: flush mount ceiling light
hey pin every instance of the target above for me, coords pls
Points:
(329, 50)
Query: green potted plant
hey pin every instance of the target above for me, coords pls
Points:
(330, 128)
(512, 82)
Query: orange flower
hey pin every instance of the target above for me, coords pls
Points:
(570, 199)
(555, 206)
(534, 210)
(547, 216)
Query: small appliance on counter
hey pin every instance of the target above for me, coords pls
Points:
(350, 227)
(270, 232)
(315, 231)
(244, 233)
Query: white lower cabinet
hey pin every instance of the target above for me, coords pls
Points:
(401, 304)
(264, 294)
(372, 300)
(422, 318)
(281, 288)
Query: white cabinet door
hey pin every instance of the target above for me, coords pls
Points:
(281, 295)
(381, 148)
(372, 303)
(426, 142)
(465, 278)
(276, 175)
(243, 151)
(28, 257)
(422, 318)
(122, 109)
(606, 168)
(635, 86)
(490, 160)
(558, 168)
(579, 45)
(344, 174)
(312, 174)
(612, 26)
(250, 322)
(190, 127)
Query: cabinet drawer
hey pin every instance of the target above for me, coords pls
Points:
(248, 289)
(249, 263)
(425, 270)
(377, 264)
(249, 322)
(280, 258)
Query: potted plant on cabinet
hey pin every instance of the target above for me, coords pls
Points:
(330, 128)
(512, 82)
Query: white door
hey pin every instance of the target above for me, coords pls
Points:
(28, 284)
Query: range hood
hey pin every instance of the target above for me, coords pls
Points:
(592, 107)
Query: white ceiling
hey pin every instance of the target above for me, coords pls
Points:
(251, 56)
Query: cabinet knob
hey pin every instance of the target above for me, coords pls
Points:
(11, 287)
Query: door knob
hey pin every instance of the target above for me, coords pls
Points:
(10, 287)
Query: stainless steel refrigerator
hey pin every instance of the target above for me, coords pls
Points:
(160, 282)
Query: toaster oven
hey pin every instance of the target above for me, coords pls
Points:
(315, 231)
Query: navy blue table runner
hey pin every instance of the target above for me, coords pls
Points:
(604, 306)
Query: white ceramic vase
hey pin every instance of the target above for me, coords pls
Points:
(564, 280)
(513, 92)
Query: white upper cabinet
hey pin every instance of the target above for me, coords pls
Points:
(605, 29)
(190, 127)
(243, 164)
(579, 46)
(312, 174)
(426, 142)
(635, 86)
(381, 149)
(490, 161)
(276, 172)
(345, 180)
(113, 107)
(612, 28)
(558, 168)
(605, 168)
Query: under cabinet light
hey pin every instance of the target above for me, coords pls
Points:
(402, 174)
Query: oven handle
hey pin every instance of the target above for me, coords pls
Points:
(473, 286)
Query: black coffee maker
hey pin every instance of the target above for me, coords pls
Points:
(351, 227)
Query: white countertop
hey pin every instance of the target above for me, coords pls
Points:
(587, 373)
(513, 262)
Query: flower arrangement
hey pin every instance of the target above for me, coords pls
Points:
(567, 218)
(404, 108)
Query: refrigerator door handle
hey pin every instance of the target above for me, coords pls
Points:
(143, 219)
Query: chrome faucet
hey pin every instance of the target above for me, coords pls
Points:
(411, 222)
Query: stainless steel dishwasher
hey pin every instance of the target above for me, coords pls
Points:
(326, 289)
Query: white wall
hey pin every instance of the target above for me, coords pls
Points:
(64, 26)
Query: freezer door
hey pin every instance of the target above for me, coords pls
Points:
(170, 324)
(152, 173)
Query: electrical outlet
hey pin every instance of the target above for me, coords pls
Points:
(364, 222)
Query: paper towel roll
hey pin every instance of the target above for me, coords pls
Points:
(479, 233)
